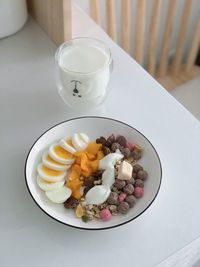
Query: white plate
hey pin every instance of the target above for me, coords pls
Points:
(94, 127)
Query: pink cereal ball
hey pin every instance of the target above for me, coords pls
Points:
(138, 192)
(121, 197)
(105, 215)
(130, 146)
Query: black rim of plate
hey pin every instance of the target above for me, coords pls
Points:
(86, 228)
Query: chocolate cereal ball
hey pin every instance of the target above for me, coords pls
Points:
(142, 175)
(134, 175)
(119, 184)
(125, 151)
(111, 138)
(123, 207)
(130, 200)
(139, 183)
(137, 168)
(113, 198)
(136, 154)
(108, 144)
(130, 181)
(121, 140)
(128, 189)
(115, 146)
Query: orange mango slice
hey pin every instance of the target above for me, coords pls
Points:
(86, 163)
(93, 148)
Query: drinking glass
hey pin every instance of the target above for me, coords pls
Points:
(83, 69)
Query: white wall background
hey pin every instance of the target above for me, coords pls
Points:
(84, 4)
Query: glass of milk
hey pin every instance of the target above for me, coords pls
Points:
(83, 68)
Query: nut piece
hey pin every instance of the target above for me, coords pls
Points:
(138, 147)
(85, 218)
(125, 171)
(123, 207)
(97, 182)
(79, 211)
(128, 189)
(112, 208)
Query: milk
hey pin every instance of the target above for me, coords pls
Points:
(83, 74)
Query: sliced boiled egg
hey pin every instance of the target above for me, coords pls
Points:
(59, 195)
(60, 155)
(52, 164)
(50, 175)
(80, 141)
(85, 138)
(48, 186)
(109, 160)
(66, 143)
(108, 176)
(97, 194)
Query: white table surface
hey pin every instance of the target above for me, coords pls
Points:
(30, 104)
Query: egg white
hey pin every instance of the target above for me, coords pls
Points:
(59, 195)
(78, 143)
(66, 146)
(45, 186)
(84, 137)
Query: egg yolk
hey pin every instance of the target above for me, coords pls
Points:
(69, 142)
(61, 152)
(50, 171)
(53, 161)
